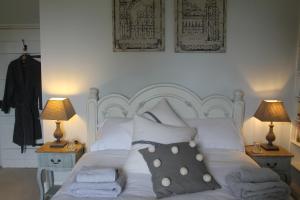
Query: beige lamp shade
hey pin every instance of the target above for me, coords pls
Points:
(58, 109)
(272, 111)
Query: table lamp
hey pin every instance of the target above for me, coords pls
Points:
(271, 111)
(58, 109)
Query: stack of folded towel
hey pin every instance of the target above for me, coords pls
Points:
(97, 182)
(257, 184)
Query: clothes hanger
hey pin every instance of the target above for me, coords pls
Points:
(25, 51)
(24, 56)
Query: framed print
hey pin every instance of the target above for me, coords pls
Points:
(138, 25)
(200, 25)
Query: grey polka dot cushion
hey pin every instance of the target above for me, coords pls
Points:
(177, 168)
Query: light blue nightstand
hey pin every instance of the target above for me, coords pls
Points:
(51, 160)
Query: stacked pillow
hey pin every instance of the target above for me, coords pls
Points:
(218, 133)
(146, 131)
(164, 147)
(163, 113)
(114, 133)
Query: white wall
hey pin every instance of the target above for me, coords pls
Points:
(19, 12)
(76, 45)
(295, 149)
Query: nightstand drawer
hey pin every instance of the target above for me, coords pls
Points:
(281, 164)
(57, 160)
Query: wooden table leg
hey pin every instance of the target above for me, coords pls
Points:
(40, 182)
(50, 179)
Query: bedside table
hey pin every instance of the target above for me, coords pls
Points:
(55, 159)
(278, 161)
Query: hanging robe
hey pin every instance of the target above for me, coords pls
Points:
(23, 91)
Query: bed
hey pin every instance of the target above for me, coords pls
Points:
(187, 104)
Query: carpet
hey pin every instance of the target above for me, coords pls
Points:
(18, 184)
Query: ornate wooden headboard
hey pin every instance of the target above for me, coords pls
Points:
(184, 101)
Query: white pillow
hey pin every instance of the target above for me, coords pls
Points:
(217, 133)
(115, 133)
(146, 130)
(163, 113)
(135, 162)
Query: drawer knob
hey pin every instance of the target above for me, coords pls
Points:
(55, 162)
(272, 165)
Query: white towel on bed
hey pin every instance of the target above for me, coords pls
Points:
(95, 175)
(251, 174)
(260, 184)
(94, 193)
(103, 189)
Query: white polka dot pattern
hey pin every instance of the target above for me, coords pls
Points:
(151, 149)
(207, 178)
(174, 149)
(166, 182)
(156, 163)
(199, 157)
(192, 143)
(175, 166)
(184, 171)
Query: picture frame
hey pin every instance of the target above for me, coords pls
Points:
(200, 26)
(138, 25)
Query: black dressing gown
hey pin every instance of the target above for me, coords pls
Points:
(23, 91)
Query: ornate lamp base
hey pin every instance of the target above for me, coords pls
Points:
(270, 138)
(60, 144)
(58, 134)
(268, 147)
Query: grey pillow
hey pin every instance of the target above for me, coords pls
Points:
(177, 168)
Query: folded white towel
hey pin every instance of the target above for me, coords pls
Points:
(257, 185)
(94, 193)
(252, 174)
(104, 189)
(95, 175)
(95, 186)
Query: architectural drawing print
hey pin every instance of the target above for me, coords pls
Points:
(200, 25)
(138, 25)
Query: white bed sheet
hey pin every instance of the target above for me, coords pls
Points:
(220, 163)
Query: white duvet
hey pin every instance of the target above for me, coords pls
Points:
(138, 186)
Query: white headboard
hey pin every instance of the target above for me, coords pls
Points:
(185, 102)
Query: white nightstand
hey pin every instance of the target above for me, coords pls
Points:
(55, 159)
(279, 161)
(295, 185)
